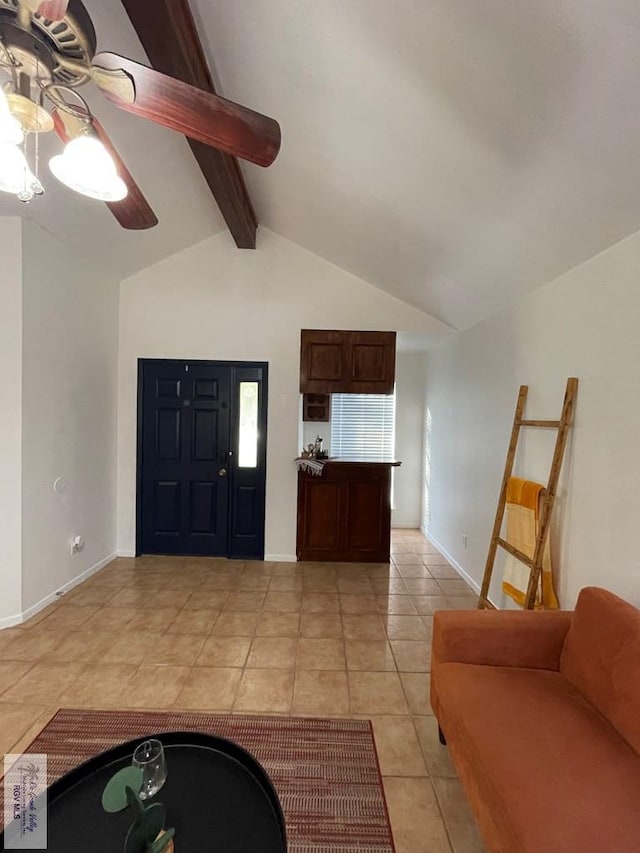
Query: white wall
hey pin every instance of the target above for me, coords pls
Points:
(69, 413)
(585, 324)
(410, 396)
(215, 302)
(11, 419)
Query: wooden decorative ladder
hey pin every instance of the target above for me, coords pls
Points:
(547, 498)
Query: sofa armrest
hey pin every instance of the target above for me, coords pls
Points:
(500, 638)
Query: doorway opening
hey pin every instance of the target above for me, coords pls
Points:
(201, 461)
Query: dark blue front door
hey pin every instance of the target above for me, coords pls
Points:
(201, 458)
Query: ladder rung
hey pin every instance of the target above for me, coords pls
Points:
(515, 552)
(545, 424)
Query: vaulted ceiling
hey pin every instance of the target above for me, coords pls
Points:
(455, 154)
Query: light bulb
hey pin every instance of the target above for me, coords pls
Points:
(15, 175)
(10, 128)
(87, 167)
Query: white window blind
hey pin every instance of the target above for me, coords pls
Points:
(363, 425)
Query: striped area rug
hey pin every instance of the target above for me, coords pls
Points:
(326, 772)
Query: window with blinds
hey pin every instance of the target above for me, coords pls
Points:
(363, 425)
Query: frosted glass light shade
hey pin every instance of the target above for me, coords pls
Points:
(10, 129)
(15, 174)
(87, 167)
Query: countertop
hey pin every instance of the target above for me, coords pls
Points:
(353, 460)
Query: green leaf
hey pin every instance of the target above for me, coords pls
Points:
(134, 801)
(135, 841)
(114, 796)
(151, 822)
(160, 843)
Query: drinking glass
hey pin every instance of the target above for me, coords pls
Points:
(149, 757)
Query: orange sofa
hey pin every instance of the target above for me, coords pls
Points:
(541, 713)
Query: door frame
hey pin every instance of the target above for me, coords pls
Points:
(264, 411)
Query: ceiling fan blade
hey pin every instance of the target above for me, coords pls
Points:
(134, 212)
(200, 115)
(53, 10)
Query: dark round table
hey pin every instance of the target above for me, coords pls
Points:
(217, 797)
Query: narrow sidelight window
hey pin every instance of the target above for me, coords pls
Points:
(248, 434)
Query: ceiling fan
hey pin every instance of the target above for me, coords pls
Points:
(48, 51)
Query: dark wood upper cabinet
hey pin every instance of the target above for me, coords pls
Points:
(346, 362)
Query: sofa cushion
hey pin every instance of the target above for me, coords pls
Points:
(544, 770)
(601, 657)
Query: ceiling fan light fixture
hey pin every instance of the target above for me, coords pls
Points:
(87, 167)
(10, 128)
(15, 175)
(14, 169)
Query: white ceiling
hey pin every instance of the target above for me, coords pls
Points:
(453, 153)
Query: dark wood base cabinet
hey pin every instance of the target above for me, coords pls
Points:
(345, 514)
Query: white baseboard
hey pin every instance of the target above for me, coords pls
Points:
(280, 558)
(395, 526)
(271, 558)
(9, 621)
(456, 565)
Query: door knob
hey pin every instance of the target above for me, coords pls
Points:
(222, 472)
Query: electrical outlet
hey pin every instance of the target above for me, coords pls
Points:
(464, 539)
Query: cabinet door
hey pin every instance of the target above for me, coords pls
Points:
(323, 360)
(367, 518)
(320, 517)
(372, 362)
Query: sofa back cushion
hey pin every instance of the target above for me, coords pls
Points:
(601, 657)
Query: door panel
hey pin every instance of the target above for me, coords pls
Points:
(368, 362)
(167, 508)
(204, 435)
(365, 501)
(322, 513)
(201, 458)
(168, 435)
(205, 389)
(246, 510)
(168, 388)
(204, 501)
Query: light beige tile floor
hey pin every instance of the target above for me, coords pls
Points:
(344, 640)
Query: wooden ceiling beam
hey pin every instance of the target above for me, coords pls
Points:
(168, 34)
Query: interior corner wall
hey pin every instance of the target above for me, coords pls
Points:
(583, 324)
(215, 302)
(410, 399)
(69, 402)
(11, 421)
